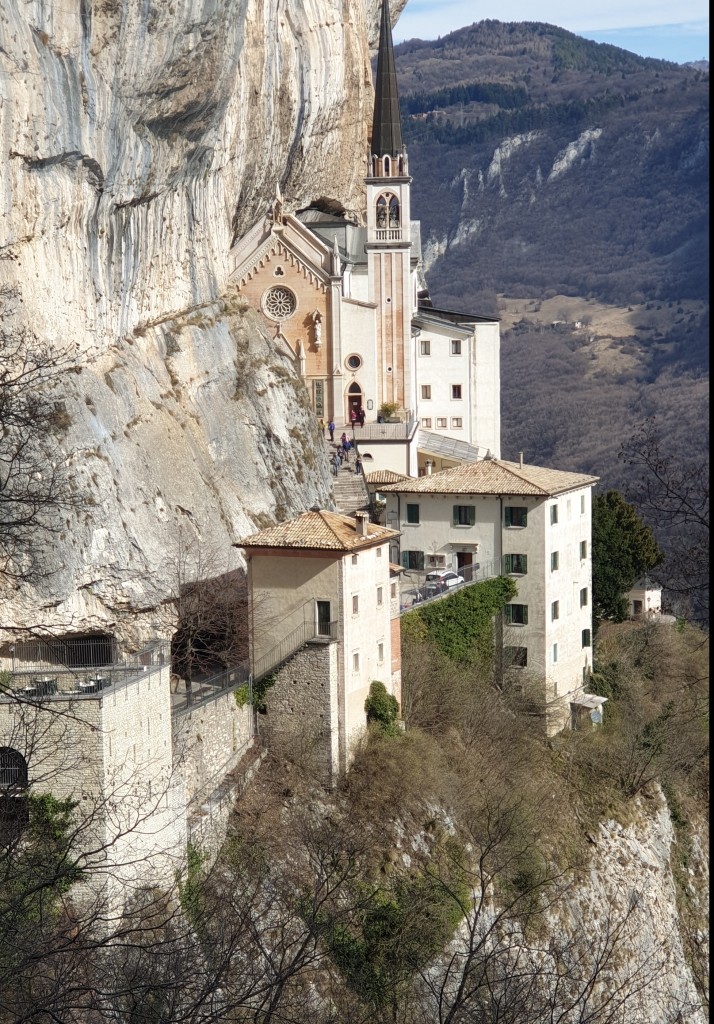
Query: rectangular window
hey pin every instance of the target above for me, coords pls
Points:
(583, 550)
(517, 564)
(464, 515)
(354, 559)
(555, 611)
(456, 346)
(380, 653)
(393, 590)
(425, 346)
(582, 504)
(456, 391)
(412, 514)
(584, 597)
(456, 423)
(355, 662)
(553, 515)
(586, 638)
(426, 391)
(379, 552)
(555, 654)
(355, 604)
(323, 618)
(380, 596)
(517, 614)
(441, 422)
(554, 561)
(436, 561)
(426, 423)
(515, 657)
(516, 515)
(413, 560)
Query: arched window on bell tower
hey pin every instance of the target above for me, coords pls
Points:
(382, 212)
(394, 212)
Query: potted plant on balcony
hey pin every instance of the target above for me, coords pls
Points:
(389, 412)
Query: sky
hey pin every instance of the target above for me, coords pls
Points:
(645, 27)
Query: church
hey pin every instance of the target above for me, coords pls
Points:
(349, 304)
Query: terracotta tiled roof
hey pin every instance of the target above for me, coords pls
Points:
(318, 531)
(385, 476)
(494, 476)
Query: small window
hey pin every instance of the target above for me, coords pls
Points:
(426, 391)
(517, 614)
(456, 346)
(354, 559)
(553, 515)
(555, 611)
(379, 552)
(586, 642)
(426, 423)
(436, 561)
(412, 514)
(380, 653)
(516, 515)
(584, 597)
(582, 504)
(393, 590)
(380, 596)
(515, 657)
(456, 423)
(555, 655)
(354, 362)
(554, 561)
(355, 662)
(425, 346)
(441, 422)
(515, 564)
(355, 604)
(413, 560)
(464, 515)
(583, 550)
(456, 391)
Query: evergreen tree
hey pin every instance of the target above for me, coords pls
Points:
(623, 549)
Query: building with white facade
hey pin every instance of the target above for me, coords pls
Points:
(534, 524)
(321, 585)
(348, 303)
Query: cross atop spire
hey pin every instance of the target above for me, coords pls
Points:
(387, 123)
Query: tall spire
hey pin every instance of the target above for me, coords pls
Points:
(387, 123)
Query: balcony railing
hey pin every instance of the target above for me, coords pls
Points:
(384, 431)
(388, 234)
(416, 590)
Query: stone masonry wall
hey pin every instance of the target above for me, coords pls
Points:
(303, 702)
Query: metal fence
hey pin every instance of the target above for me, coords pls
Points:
(77, 667)
(416, 588)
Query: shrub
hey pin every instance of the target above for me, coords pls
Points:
(382, 709)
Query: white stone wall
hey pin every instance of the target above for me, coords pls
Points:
(436, 533)
(367, 634)
(486, 366)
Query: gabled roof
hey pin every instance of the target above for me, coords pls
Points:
(318, 531)
(494, 476)
(287, 239)
(385, 476)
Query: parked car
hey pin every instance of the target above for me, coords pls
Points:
(409, 598)
(439, 581)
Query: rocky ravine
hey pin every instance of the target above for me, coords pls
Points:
(138, 141)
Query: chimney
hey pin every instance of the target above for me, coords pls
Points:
(520, 459)
(429, 466)
(361, 520)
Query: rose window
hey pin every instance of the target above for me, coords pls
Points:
(279, 303)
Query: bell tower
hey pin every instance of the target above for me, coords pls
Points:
(389, 244)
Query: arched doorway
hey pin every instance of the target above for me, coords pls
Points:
(354, 400)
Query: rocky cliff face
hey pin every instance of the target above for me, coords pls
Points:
(138, 141)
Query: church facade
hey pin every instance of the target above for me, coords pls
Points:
(348, 304)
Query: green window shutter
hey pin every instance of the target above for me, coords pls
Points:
(525, 614)
(508, 515)
(405, 559)
(507, 563)
(455, 516)
(472, 514)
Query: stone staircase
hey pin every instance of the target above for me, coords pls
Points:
(351, 494)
